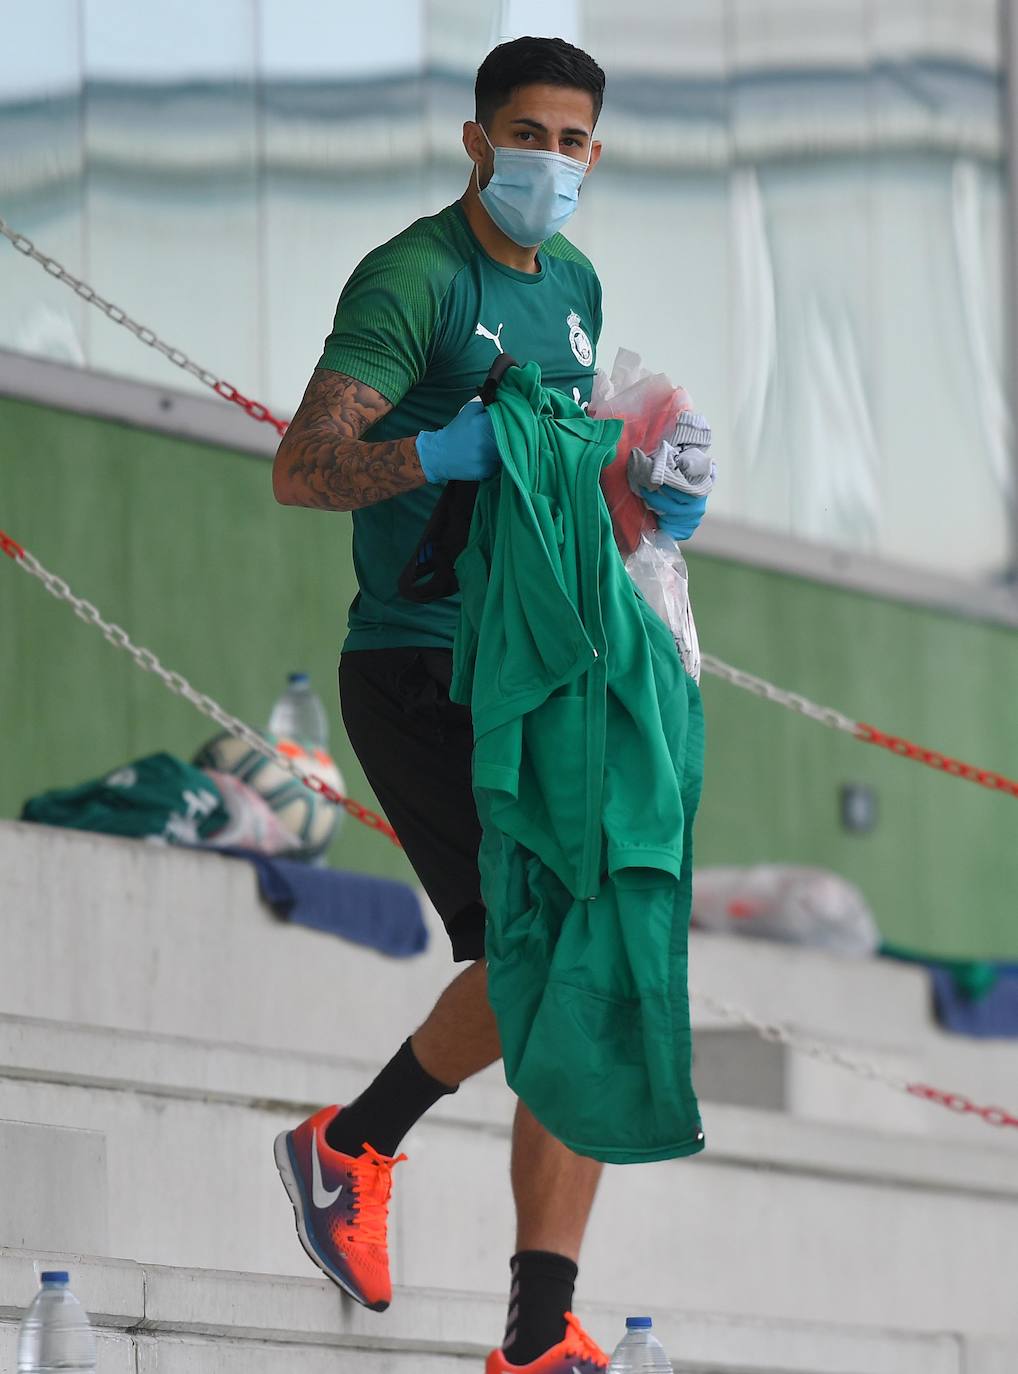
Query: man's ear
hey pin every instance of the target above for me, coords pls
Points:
(595, 154)
(474, 141)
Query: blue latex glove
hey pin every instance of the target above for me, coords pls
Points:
(465, 451)
(678, 513)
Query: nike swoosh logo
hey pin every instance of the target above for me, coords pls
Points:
(320, 1195)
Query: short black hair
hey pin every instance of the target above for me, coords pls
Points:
(534, 62)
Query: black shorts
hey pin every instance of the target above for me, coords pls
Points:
(416, 746)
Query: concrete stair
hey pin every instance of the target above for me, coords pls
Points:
(804, 1220)
(178, 943)
(52, 1187)
(155, 1018)
(153, 1320)
(878, 1010)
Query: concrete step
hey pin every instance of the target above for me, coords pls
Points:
(158, 1320)
(52, 1187)
(877, 1010)
(781, 1218)
(178, 941)
(143, 938)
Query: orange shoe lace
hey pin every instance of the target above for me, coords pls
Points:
(372, 1189)
(578, 1343)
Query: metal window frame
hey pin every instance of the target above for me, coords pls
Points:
(209, 420)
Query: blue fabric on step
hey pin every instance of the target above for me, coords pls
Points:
(993, 1015)
(378, 912)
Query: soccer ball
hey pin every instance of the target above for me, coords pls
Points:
(309, 818)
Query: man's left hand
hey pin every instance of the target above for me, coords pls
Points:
(678, 513)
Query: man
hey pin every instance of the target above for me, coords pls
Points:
(389, 417)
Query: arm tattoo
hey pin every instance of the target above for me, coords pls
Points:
(322, 461)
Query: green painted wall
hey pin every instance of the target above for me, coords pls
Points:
(183, 545)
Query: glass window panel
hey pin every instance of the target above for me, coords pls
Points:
(172, 185)
(835, 200)
(801, 214)
(654, 216)
(541, 18)
(305, 40)
(41, 164)
(344, 152)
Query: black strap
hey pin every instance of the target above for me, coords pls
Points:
(431, 573)
(493, 381)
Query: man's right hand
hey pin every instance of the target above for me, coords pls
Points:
(464, 451)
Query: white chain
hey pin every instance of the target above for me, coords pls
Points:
(145, 659)
(824, 715)
(149, 663)
(113, 312)
(778, 1033)
(773, 1031)
(758, 686)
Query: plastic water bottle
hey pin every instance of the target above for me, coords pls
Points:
(639, 1351)
(299, 714)
(55, 1335)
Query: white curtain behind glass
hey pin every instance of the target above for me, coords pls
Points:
(800, 214)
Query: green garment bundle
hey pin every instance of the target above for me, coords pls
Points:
(155, 796)
(588, 765)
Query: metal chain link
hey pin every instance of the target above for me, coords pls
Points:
(147, 336)
(179, 685)
(792, 701)
(778, 1033)
(964, 1106)
(865, 734)
(824, 715)
(941, 763)
(773, 1031)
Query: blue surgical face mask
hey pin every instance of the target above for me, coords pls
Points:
(531, 193)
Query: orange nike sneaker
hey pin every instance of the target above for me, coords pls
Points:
(341, 1205)
(577, 1353)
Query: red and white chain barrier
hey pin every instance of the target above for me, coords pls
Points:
(141, 332)
(866, 734)
(792, 701)
(773, 1031)
(824, 715)
(778, 1033)
(208, 706)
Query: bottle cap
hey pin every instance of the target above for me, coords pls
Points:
(55, 1276)
(638, 1323)
(299, 679)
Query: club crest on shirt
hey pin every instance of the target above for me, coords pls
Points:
(583, 350)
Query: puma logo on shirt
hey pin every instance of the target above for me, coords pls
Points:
(495, 338)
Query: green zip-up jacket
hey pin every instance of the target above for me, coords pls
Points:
(588, 763)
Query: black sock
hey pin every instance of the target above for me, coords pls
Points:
(388, 1107)
(541, 1295)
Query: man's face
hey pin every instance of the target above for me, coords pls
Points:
(551, 119)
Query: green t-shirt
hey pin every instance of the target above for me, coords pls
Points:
(421, 321)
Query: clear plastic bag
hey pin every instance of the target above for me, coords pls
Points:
(658, 568)
(649, 407)
(786, 902)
